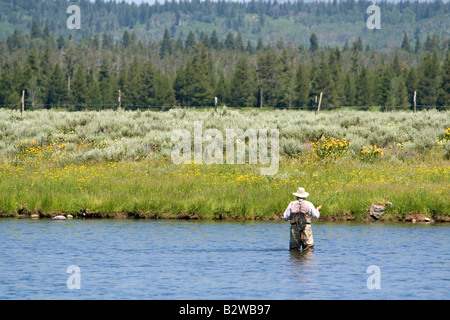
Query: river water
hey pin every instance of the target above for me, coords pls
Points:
(197, 260)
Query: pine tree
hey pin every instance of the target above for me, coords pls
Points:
(214, 40)
(15, 41)
(363, 89)
(268, 76)
(79, 88)
(314, 42)
(229, 41)
(31, 68)
(190, 40)
(183, 85)
(46, 69)
(195, 83)
(35, 30)
(428, 83)
(260, 44)
(399, 92)
(349, 90)
(418, 46)
(242, 85)
(132, 86)
(444, 90)
(147, 85)
(396, 67)
(323, 82)
(431, 43)
(57, 90)
(238, 42)
(336, 95)
(302, 86)
(405, 43)
(358, 45)
(411, 85)
(107, 84)
(9, 93)
(166, 45)
(164, 94)
(223, 89)
(204, 39)
(93, 94)
(29, 79)
(155, 89)
(355, 60)
(382, 87)
(286, 89)
(126, 39)
(249, 48)
(203, 81)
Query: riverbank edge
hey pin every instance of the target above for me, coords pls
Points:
(388, 217)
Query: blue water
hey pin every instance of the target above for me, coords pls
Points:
(140, 259)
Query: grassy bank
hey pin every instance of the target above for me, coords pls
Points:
(115, 164)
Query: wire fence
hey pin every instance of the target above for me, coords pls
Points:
(99, 107)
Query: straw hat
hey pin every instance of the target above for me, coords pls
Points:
(301, 193)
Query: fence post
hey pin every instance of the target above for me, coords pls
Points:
(68, 86)
(120, 100)
(414, 99)
(23, 101)
(320, 102)
(261, 97)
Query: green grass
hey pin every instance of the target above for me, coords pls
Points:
(111, 163)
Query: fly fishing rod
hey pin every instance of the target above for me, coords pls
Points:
(329, 198)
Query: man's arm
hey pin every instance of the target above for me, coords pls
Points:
(287, 213)
(314, 212)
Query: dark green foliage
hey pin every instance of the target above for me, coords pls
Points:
(78, 88)
(57, 89)
(153, 87)
(190, 40)
(302, 86)
(9, 92)
(268, 78)
(166, 45)
(364, 89)
(444, 90)
(195, 83)
(323, 82)
(242, 87)
(429, 80)
(405, 43)
(313, 42)
(382, 86)
(241, 66)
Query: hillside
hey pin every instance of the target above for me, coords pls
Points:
(334, 23)
(257, 54)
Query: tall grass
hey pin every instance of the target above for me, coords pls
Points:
(110, 162)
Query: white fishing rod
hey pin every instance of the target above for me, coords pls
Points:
(329, 198)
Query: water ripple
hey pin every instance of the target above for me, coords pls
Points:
(220, 260)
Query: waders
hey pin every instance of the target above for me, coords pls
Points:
(301, 233)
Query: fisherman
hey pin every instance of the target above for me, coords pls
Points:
(300, 212)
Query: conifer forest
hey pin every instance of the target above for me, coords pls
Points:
(195, 53)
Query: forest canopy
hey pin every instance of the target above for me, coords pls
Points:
(254, 54)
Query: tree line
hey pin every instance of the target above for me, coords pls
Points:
(57, 72)
(103, 15)
(269, 19)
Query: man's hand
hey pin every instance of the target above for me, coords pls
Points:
(319, 207)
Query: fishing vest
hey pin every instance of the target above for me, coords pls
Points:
(300, 207)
